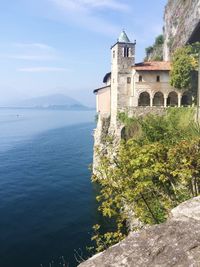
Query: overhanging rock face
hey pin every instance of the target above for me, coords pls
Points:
(175, 243)
(182, 24)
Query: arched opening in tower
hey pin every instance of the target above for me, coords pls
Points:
(144, 99)
(172, 99)
(158, 99)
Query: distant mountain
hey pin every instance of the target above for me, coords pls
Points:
(57, 101)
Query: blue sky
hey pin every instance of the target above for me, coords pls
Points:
(63, 46)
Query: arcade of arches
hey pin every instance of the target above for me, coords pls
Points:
(172, 99)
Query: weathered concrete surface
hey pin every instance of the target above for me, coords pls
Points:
(175, 243)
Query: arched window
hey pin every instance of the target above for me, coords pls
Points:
(172, 99)
(140, 78)
(144, 99)
(158, 99)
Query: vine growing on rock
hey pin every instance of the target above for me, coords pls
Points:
(155, 168)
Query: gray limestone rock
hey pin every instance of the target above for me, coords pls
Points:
(182, 24)
(174, 243)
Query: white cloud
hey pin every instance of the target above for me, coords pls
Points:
(89, 5)
(30, 52)
(90, 14)
(39, 46)
(28, 57)
(42, 69)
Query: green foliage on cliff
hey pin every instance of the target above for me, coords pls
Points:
(155, 168)
(159, 40)
(184, 65)
(155, 52)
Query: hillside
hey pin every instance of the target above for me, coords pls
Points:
(56, 101)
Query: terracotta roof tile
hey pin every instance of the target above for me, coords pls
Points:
(153, 65)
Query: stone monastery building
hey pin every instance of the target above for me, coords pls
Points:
(130, 85)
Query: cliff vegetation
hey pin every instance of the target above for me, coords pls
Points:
(154, 168)
(155, 52)
(184, 73)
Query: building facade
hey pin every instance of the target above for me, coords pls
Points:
(131, 85)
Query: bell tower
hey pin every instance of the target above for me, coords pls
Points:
(122, 59)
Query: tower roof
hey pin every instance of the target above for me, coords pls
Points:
(123, 38)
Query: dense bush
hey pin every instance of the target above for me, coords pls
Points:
(154, 169)
(184, 65)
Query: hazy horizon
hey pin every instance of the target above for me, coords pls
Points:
(63, 46)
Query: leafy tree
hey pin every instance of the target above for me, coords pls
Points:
(159, 40)
(184, 65)
(154, 169)
(149, 50)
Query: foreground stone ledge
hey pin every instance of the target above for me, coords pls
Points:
(174, 243)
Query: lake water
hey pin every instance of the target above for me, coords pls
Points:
(47, 202)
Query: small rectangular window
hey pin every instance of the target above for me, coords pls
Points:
(113, 54)
(158, 78)
(140, 78)
(129, 80)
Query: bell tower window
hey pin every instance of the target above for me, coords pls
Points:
(126, 51)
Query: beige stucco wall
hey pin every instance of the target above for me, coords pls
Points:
(103, 101)
(150, 76)
(151, 86)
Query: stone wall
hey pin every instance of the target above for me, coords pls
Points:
(121, 70)
(143, 111)
(181, 18)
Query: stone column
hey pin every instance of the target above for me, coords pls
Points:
(151, 101)
(165, 102)
(179, 99)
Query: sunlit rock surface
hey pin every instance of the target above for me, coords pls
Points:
(175, 243)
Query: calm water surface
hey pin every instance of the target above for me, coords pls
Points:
(47, 203)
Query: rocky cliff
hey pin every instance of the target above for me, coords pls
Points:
(182, 24)
(175, 243)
